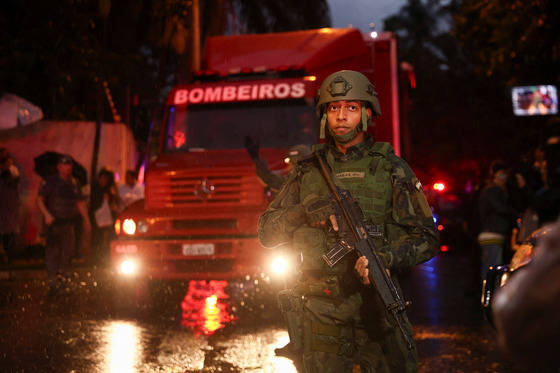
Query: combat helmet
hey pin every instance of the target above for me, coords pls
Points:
(296, 152)
(346, 85)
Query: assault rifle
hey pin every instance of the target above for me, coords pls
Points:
(355, 237)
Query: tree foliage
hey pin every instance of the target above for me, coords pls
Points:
(55, 53)
(466, 55)
(514, 41)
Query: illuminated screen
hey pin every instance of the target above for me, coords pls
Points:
(535, 100)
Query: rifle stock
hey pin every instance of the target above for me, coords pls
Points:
(355, 237)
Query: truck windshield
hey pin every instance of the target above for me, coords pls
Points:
(275, 124)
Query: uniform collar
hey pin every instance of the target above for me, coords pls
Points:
(353, 153)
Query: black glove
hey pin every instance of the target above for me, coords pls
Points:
(317, 209)
(252, 147)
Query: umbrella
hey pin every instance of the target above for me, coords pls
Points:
(15, 111)
(45, 166)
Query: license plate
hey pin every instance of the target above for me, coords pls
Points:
(126, 249)
(193, 249)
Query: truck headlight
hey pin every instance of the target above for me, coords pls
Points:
(128, 267)
(129, 226)
(279, 265)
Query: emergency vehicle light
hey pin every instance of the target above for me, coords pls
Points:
(206, 74)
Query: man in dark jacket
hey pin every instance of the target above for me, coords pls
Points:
(60, 200)
(496, 220)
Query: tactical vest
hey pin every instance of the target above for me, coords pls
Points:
(369, 181)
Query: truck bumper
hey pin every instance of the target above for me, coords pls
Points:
(205, 259)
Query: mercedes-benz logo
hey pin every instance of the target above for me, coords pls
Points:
(204, 189)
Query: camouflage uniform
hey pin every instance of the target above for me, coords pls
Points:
(341, 317)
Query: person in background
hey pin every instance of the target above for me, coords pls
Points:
(271, 179)
(273, 182)
(547, 200)
(131, 191)
(497, 219)
(471, 226)
(60, 200)
(525, 309)
(9, 202)
(342, 316)
(103, 209)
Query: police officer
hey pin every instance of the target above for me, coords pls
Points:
(342, 316)
(60, 200)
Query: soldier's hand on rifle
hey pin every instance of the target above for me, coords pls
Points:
(362, 270)
(319, 210)
(323, 223)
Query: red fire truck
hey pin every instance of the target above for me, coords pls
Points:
(203, 199)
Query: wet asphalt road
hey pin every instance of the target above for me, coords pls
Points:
(100, 323)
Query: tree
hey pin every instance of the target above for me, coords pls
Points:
(466, 56)
(513, 41)
(50, 49)
(441, 120)
(510, 43)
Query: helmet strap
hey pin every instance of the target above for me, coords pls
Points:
(344, 139)
(365, 118)
(323, 124)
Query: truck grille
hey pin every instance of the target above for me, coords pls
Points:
(176, 190)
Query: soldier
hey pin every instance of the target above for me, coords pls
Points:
(60, 200)
(273, 180)
(342, 315)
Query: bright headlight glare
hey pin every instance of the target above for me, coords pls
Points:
(279, 265)
(128, 267)
(129, 226)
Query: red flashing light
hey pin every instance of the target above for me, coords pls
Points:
(444, 248)
(290, 69)
(440, 227)
(439, 186)
(206, 74)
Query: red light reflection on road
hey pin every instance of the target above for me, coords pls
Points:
(204, 307)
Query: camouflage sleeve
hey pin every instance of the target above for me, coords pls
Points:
(272, 180)
(284, 214)
(412, 234)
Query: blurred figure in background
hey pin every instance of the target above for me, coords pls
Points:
(525, 309)
(9, 202)
(103, 209)
(274, 180)
(60, 200)
(497, 219)
(131, 190)
(472, 227)
(547, 201)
